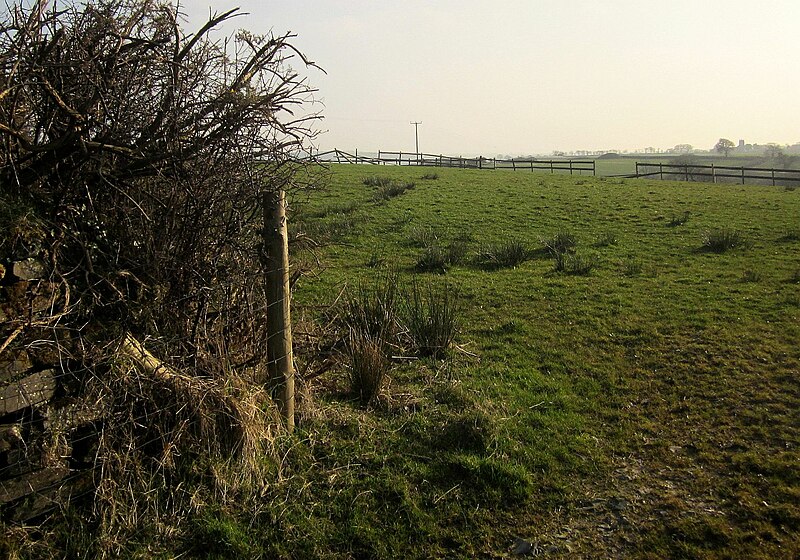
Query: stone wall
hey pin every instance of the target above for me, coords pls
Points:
(47, 433)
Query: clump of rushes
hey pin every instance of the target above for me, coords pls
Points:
(632, 267)
(423, 236)
(438, 259)
(333, 209)
(574, 264)
(432, 259)
(376, 181)
(750, 275)
(562, 242)
(430, 176)
(369, 366)
(606, 239)
(791, 235)
(679, 219)
(391, 190)
(721, 240)
(504, 254)
(372, 309)
(431, 316)
(370, 316)
(375, 260)
(456, 251)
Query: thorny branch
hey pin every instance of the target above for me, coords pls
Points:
(148, 151)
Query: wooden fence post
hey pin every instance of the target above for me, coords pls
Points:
(713, 174)
(280, 365)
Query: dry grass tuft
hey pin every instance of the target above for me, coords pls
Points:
(173, 443)
(369, 366)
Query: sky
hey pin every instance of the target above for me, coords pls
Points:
(529, 77)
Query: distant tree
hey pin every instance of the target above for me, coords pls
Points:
(778, 157)
(724, 146)
(683, 148)
(773, 151)
(692, 169)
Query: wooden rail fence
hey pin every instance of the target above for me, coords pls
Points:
(439, 160)
(717, 173)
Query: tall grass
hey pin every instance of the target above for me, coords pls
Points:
(504, 254)
(391, 190)
(574, 264)
(722, 239)
(433, 259)
(792, 234)
(438, 259)
(561, 242)
(606, 239)
(377, 181)
(679, 219)
(372, 309)
(423, 236)
(431, 315)
(369, 366)
(370, 315)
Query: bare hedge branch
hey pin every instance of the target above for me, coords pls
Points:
(148, 150)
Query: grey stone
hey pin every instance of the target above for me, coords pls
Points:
(35, 389)
(13, 363)
(521, 547)
(29, 269)
(11, 490)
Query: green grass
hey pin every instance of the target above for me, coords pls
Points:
(502, 254)
(645, 410)
(720, 240)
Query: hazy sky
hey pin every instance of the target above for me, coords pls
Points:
(535, 76)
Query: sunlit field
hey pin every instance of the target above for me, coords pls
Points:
(638, 397)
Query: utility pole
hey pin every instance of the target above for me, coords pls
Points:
(416, 137)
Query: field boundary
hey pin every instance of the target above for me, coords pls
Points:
(716, 173)
(440, 160)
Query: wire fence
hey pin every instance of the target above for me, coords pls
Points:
(54, 416)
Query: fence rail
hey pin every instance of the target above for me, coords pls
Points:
(439, 160)
(717, 173)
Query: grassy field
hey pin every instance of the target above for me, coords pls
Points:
(647, 409)
(644, 408)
